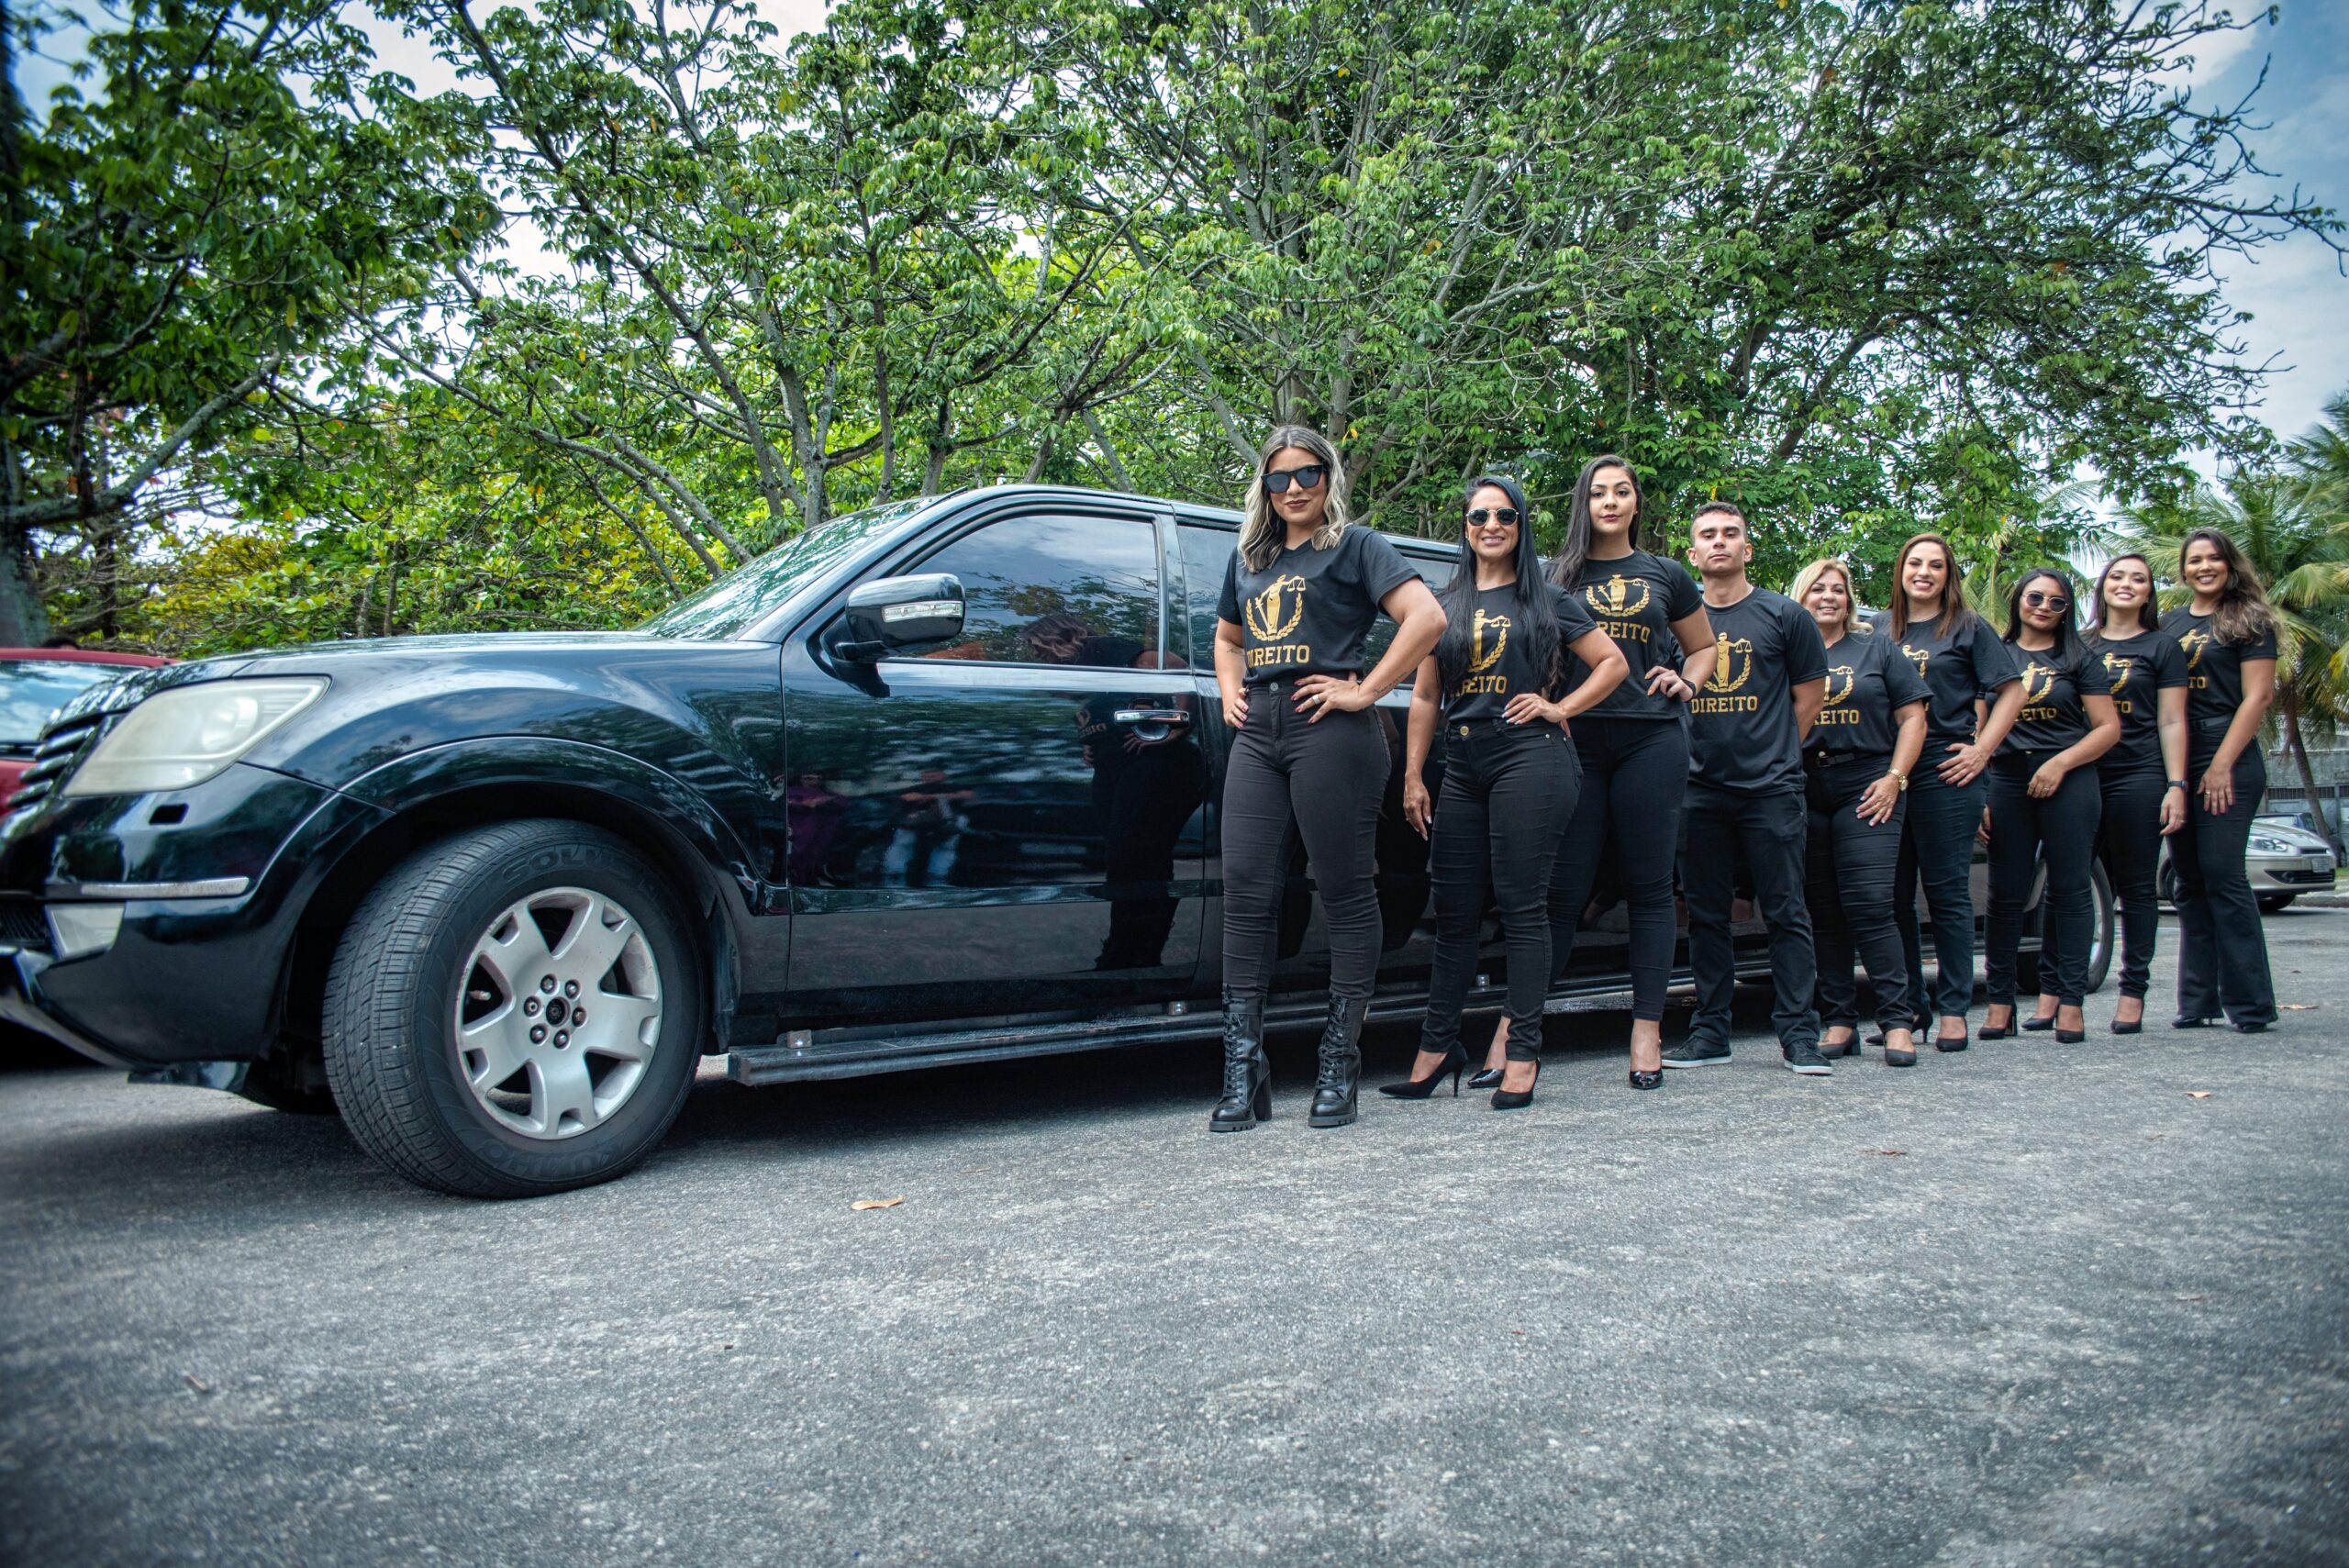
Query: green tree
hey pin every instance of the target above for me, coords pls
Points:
(190, 234)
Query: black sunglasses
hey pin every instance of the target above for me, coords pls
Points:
(1309, 477)
(1505, 515)
(2039, 601)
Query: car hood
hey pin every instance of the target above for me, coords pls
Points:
(2300, 839)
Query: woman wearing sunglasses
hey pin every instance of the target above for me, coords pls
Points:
(1298, 602)
(1856, 765)
(2045, 801)
(2228, 632)
(2143, 777)
(1509, 776)
(1633, 746)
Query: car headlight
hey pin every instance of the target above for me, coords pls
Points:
(2263, 845)
(182, 737)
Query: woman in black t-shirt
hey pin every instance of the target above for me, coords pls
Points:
(1966, 670)
(1634, 747)
(1857, 764)
(2044, 799)
(1510, 775)
(2143, 777)
(1298, 602)
(2228, 634)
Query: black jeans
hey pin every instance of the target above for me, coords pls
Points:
(1768, 831)
(2061, 829)
(2129, 840)
(1850, 869)
(1321, 782)
(2222, 949)
(1939, 848)
(1634, 776)
(1508, 791)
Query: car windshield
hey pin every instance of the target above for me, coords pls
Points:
(742, 596)
(33, 689)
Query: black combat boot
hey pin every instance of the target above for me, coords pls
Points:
(1333, 1090)
(1247, 1071)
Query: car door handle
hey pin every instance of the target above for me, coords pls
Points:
(1149, 715)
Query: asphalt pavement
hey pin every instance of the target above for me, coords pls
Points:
(2028, 1304)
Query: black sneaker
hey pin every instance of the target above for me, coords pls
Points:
(1806, 1060)
(1697, 1053)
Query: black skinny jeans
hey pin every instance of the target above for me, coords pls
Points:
(2221, 949)
(2061, 828)
(1938, 848)
(1320, 782)
(1507, 792)
(1634, 777)
(1769, 829)
(2129, 840)
(1849, 882)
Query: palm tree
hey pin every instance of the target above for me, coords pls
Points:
(2291, 525)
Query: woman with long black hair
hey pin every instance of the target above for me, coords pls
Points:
(1298, 602)
(1966, 670)
(1633, 746)
(2143, 777)
(1857, 764)
(2045, 800)
(2228, 634)
(1510, 777)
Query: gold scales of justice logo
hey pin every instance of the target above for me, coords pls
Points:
(1839, 678)
(1614, 597)
(2117, 666)
(1274, 613)
(2194, 642)
(1727, 657)
(2038, 680)
(1479, 661)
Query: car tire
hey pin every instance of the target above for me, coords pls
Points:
(2169, 884)
(2271, 902)
(449, 976)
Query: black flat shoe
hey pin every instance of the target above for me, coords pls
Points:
(1646, 1080)
(2035, 1023)
(1517, 1099)
(1486, 1078)
(2251, 1029)
(2189, 1023)
(2070, 1036)
(1420, 1088)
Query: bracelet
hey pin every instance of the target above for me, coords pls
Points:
(2177, 784)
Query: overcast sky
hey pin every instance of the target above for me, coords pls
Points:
(2296, 293)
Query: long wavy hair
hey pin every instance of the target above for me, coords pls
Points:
(1809, 577)
(2245, 615)
(1574, 552)
(1956, 613)
(1531, 616)
(2069, 648)
(2100, 611)
(1262, 532)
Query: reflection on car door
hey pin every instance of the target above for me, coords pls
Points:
(1012, 822)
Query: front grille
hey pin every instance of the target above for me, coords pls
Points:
(2304, 878)
(61, 751)
(22, 924)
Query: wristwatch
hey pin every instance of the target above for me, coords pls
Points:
(2177, 784)
(1897, 776)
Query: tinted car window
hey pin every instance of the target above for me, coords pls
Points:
(1437, 570)
(31, 690)
(1054, 590)
(740, 597)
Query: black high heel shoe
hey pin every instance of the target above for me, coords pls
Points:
(1420, 1088)
(1986, 1032)
(2070, 1036)
(2035, 1023)
(2137, 1027)
(1646, 1080)
(1485, 1078)
(1517, 1099)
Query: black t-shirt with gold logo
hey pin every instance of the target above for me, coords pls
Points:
(1310, 611)
(2052, 715)
(1868, 680)
(1501, 662)
(1635, 600)
(1969, 665)
(1742, 721)
(2136, 671)
(2213, 669)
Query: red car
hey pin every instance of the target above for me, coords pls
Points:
(34, 684)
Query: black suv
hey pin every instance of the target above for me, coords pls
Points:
(936, 781)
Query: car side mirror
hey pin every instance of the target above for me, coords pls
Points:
(896, 615)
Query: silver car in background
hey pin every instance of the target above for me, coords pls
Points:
(2281, 859)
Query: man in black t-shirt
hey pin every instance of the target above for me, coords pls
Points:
(1745, 793)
